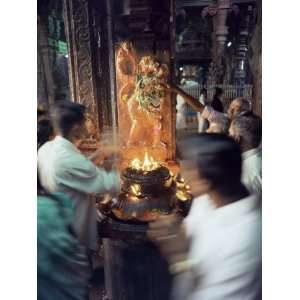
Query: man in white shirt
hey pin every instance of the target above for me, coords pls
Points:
(216, 254)
(180, 113)
(246, 130)
(202, 123)
(62, 168)
(181, 107)
(218, 121)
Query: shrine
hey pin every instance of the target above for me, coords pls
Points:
(119, 55)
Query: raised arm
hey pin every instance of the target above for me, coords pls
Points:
(82, 175)
(194, 103)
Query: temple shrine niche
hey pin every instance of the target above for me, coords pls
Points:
(141, 103)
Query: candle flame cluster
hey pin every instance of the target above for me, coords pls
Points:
(149, 164)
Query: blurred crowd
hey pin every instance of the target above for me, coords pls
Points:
(213, 254)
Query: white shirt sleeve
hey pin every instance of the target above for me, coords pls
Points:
(80, 174)
(212, 115)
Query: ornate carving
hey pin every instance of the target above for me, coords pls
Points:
(255, 61)
(80, 65)
(148, 30)
(219, 12)
(215, 74)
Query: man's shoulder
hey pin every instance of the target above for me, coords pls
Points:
(201, 209)
(252, 159)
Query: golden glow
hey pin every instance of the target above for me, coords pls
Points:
(149, 164)
(135, 189)
(183, 195)
(181, 180)
(136, 164)
(168, 182)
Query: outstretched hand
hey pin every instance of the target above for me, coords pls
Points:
(110, 162)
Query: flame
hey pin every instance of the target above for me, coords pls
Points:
(136, 189)
(136, 164)
(149, 164)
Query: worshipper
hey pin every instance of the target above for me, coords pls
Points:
(62, 265)
(202, 123)
(180, 113)
(216, 253)
(42, 112)
(44, 126)
(218, 122)
(216, 103)
(44, 132)
(181, 106)
(246, 129)
(62, 168)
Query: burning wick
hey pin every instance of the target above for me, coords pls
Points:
(149, 164)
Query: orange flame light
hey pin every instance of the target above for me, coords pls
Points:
(149, 164)
(135, 189)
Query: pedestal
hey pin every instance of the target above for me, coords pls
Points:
(134, 268)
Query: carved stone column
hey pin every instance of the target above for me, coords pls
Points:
(46, 83)
(241, 73)
(219, 13)
(255, 61)
(89, 70)
(221, 30)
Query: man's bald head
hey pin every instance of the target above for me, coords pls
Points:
(238, 106)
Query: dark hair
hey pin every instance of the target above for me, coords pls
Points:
(249, 127)
(41, 111)
(44, 132)
(203, 91)
(67, 114)
(218, 91)
(217, 157)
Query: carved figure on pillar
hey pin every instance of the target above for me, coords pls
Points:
(219, 13)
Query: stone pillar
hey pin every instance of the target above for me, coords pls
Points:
(219, 13)
(221, 30)
(241, 72)
(89, 68)
(255, 61)
(46, 85)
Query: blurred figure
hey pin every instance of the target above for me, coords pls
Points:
(62, 168)
(44, 126)
(44, 132)
(247, 130)
(218, 122)
(42, 112)
(181, 106)
(216, 103)
(202, 123)
(62, 265)
(180, 113)
(216, 254)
